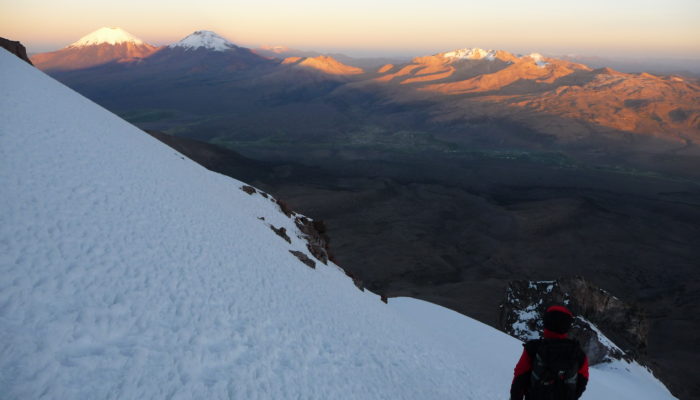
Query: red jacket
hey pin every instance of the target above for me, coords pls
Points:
(521, 378)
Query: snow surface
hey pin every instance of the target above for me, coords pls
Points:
(538, 59)
(604, 340)
(471, 54)
(493, 352)
(206, 39)
(107, 35)
(128, 272)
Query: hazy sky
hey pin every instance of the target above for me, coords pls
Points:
(663, 28)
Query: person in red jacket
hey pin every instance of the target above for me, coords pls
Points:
(534, 379)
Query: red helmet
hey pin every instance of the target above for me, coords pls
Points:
(558, 319)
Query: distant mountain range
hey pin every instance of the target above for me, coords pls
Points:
(665, 107)
(282, 52)
(560, 103)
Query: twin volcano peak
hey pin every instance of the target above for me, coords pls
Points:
(204, 39)
(107, 35)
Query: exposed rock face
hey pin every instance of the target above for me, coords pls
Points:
(599, 315)
(281, 232)
(248, 189)
(315, 234)
(15, 48)
(303, 258)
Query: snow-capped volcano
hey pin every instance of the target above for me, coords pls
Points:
(105, 45)
(107, 35)
(470, 54)
(204, 39)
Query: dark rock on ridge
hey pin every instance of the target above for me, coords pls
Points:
(15, 48)
(281, 232)
(599, 316)
(303, 258)
(318, 241)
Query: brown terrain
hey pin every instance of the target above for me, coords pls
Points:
(542, 94)
(325, 64)
(70, 58)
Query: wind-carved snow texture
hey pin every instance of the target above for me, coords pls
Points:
(129, 272)
(206, 39)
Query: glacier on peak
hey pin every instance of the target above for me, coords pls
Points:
(471, 54)
(538, 59)
(206, 39)
(107, 35)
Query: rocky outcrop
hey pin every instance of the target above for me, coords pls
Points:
(313, 232)
(248, 189)
(607, 327)
(303, 258)
(15, 48)
(315, 235)
(281, 232)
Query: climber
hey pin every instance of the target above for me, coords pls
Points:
(554, 367)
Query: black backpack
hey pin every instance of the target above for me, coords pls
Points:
(555, 365)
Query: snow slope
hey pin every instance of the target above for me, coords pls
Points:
(205, 39)
(108, 35)
(471, 54)
(130, 272)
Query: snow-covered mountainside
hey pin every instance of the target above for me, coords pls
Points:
(204, 39)
(106, 35)
(470, 54)
(103, 46)
(128, 271)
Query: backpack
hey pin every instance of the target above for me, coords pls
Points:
(555, 365)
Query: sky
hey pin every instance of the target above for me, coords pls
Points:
(623, 28)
